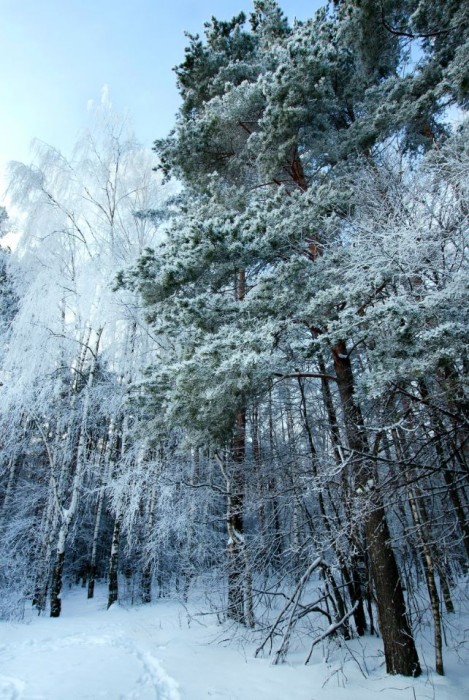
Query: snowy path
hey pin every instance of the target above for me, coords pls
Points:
(86, 654)
(157, 653)
(84, 666)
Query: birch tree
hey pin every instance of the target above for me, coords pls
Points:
(66, 367)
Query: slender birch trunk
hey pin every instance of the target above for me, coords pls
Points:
(113, 569)
(113, 592)
(147, 567)
(42, 576)
(67, 514)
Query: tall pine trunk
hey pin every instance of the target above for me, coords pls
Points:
(239, 607)
(399, 647)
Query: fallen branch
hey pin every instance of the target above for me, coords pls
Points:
(317, 562)
(330, 630)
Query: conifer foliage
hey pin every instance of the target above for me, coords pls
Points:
(287, 140)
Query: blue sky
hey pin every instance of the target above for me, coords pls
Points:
(56, 55)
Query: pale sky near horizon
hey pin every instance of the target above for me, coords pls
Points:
(56, 55)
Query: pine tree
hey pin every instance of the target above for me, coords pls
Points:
(274, 122)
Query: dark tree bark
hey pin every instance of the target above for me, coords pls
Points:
(56, 587)
(113, 593)
(239, 586)
(399, 647)
(350, 575)
(147, 570)
(240, 607)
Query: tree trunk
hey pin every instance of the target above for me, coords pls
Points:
(236, 551)
(429, 569)
(67, 514)
(456, 495)
(99, 509)
(56, 586)
(113, 593)
(147, 569)
(351, 578)
(399, 647)
(49, 528)
(240, 606)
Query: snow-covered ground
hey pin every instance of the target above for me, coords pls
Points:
(164, 651)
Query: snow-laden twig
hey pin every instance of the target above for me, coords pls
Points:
(295, 595)
(330, 630)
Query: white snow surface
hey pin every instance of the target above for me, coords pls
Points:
(166, 651)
